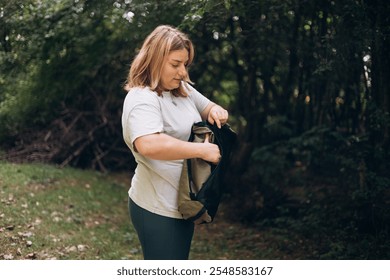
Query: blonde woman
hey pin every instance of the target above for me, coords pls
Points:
(158, 112)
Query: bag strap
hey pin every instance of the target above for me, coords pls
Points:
(192, 194)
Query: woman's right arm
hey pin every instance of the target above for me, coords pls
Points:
(161, 146)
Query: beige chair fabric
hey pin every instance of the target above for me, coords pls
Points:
(200, 170)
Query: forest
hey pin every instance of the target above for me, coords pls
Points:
(306, 84)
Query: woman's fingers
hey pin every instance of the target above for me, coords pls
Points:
(212, 153)
(218, 115)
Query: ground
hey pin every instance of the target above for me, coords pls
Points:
(52, 213)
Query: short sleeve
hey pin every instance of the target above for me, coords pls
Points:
(199, 99)
(141, 115)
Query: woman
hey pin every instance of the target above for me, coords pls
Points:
(158, 113)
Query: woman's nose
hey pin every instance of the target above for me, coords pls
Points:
(182, 71)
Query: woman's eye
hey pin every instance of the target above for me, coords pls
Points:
(175, 65)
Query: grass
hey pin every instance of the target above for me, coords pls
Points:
(52, 213)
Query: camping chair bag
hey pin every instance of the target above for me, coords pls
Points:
(201, 183)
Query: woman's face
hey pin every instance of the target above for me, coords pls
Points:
(174, 69)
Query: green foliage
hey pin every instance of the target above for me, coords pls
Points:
(260, 59)
(332, 187)
(50, 45)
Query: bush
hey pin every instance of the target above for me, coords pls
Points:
(324, 185)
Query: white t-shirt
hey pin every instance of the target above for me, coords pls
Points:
(155, 183)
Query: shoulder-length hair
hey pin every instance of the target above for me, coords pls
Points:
(145, 70)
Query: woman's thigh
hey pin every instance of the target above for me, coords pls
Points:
(161, 237)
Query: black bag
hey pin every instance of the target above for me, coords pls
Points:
(201, 185)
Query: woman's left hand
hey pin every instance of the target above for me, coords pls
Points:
(218, 115)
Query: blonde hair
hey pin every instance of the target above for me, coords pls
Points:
(145, 69)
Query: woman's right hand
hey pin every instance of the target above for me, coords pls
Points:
(211, 151)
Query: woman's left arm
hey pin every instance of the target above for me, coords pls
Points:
(215, 114)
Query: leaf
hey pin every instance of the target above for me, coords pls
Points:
(31, 256)
(70, 249)
(8, 257)
(81, 247)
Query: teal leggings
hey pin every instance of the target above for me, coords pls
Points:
(161, 238)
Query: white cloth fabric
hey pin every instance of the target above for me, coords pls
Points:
(155, 184)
